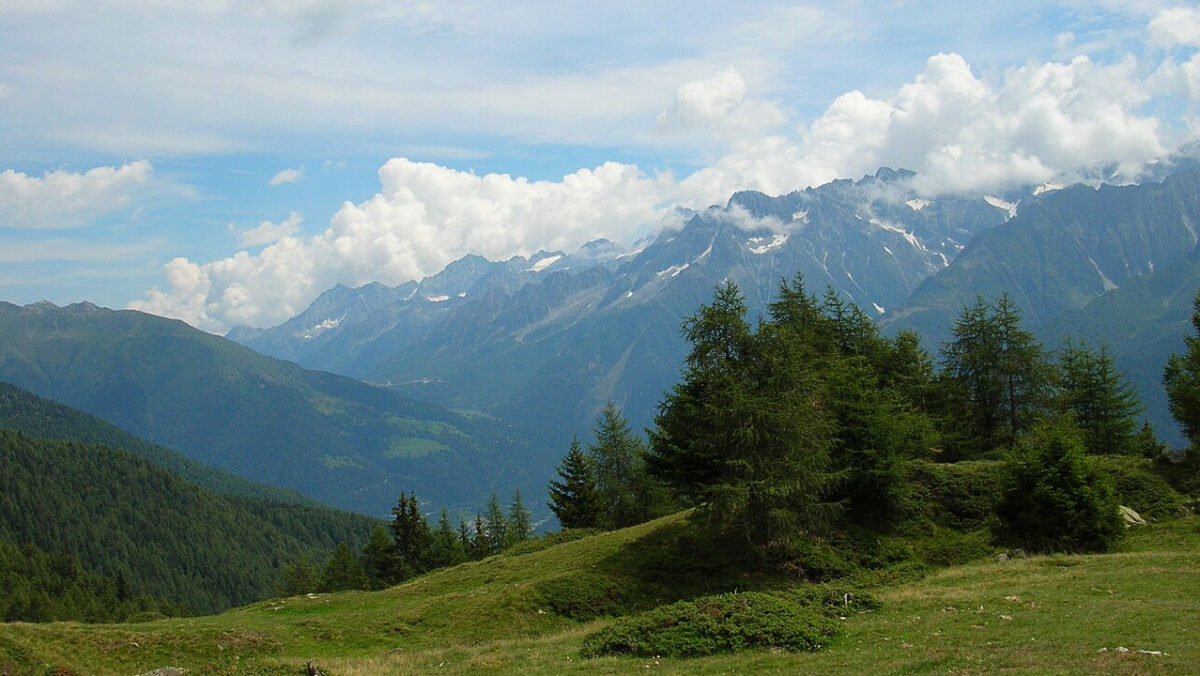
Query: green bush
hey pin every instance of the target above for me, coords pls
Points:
(960, 495)
(831, 599)
(1139, 488)
(715, 624)
(1055, 498)
(582, 596)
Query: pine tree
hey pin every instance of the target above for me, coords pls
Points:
(617, 457)
(380, 561)
(575, 500)
(497, 526)
(743, 436)
(343, 571)
(445, 548)
(1181, 377)
(519, 525)
(1103, 403)
(997, 372)
(410, 533)
(299, 577)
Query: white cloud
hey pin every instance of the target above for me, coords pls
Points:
(63, 199)
(959, 132)
(286, 176)
(424, 217)
(267, 232)
(1176, 26)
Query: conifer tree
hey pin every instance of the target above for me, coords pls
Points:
(410, 532)
(445, 548)
(997, 372)
(519, 525)
(343, 571)
(617, 458)
(1102, 402)
(380, 562)
(496, 524)
(299, 577)
(575, 500)
(743, 436)
(1181, 377)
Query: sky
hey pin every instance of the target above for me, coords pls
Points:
(225, 162)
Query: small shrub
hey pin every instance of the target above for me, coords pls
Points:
(582, 596)
(831, 599)
(715, 624)
(1055, 498)
(1140, 488)
(954, 548)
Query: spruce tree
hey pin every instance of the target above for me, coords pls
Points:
(520, 525)
(617, 458)
(575, 500)
(997, 372)
(743, 436)
(380, 561)
(1103, 402)
(410, 532)
(1181, 377)
(496, 524)
(343, 571)
(445, 547)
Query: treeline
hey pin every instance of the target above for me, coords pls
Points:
(36, 586)
(803, 425)
(410, 546)
(124, 517)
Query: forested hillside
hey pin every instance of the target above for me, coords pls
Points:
(339, 440)
(126, 517)
(42, 418)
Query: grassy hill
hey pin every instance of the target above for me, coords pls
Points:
(1044, 614)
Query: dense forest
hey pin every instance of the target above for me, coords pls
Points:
(126, 518)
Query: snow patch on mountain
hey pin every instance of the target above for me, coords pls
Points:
(757, 246)
(1108, 283)
(917, 204)
(544, 263)
(1003, 205)
(324, 326)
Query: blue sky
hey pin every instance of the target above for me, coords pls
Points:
(224, 162)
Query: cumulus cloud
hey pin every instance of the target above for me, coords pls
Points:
(959, 132)
(64, 199)
(286, 176)
(424, 217)
(267, 232)
(1176, 26)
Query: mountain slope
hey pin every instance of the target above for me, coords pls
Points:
(41, 418)
(122, 515)
(1062, 250)
(327, 436)
(1143, 323)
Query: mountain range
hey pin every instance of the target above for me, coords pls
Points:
(548, 338)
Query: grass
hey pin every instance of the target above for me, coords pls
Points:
(413, 447)
(1049, 614)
